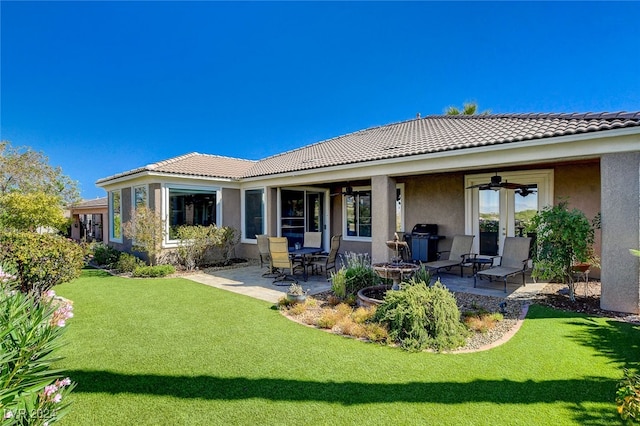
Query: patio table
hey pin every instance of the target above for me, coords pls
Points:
(305, 253)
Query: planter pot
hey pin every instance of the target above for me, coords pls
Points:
(580, 267)
(296, 298)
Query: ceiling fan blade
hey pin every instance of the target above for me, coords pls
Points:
(510, 185)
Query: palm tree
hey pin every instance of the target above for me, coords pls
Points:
(468, 108)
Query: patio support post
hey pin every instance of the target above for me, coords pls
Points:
(620, 276)
(383, 217)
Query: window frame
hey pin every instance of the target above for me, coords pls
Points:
(134, 204)
(345, 233)
(243, 213)
(166, 188)
(112, 216)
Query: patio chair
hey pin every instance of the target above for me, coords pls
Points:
(265, 256)
(459, 253)
(312, 240)
(280, 259)
(326, 262)
(514, 260)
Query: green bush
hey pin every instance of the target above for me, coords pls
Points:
(153, 271)
(40, 261)
(128, 263)
(31, 392)
(104, 255)
(419, 317)
(358, 272)
(339, 283)
(628, 396)
(194, 242)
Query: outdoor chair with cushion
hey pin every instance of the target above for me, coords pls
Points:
(282, 260)
(514, 260)
(459, 253)
(326, 262)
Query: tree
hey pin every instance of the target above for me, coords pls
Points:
(564, 237)
(25, 170)
(29, 211)
(468, 108)
(146, 230)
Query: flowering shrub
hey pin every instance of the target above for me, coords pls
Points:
(32, 325)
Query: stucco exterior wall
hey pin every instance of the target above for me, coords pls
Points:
(436, 199)
(579, 184)
(620, 232)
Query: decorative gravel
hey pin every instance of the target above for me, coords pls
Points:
(466, 302)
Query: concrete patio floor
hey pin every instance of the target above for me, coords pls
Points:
(248, 280)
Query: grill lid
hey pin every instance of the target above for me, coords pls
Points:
(425, 229)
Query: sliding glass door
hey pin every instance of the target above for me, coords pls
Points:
(301, 210)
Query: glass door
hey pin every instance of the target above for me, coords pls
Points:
(300, 211)
(493, 215)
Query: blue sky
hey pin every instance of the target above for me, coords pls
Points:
(104, 87)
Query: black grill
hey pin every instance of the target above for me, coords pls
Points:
(423, 242)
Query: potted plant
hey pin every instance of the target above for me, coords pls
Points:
(564, 244)
(296, 294)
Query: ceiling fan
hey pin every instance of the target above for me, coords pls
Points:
(497, 183)
(348, 190)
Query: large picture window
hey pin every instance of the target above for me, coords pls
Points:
(191, 207)
(358, 214)
(115, 206)
(253, 213)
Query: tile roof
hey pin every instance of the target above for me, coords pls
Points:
(438, 133)
(96, 202)
(426, 135)
(194, 164)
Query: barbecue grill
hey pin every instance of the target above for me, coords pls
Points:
(423, 241)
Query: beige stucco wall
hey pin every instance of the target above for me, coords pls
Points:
(620, 232)
(579, 184)
(436, 199)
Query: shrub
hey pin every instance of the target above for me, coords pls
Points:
(628, 396)
(153, 271)
(40, 261)
(419, 316)
(421, 275)
(564, 237)
(194, 242)
(376, 332)
(339, 283)
(146, 230)
(128, 263)
(104, 255)
(30, 391)
(358, 272)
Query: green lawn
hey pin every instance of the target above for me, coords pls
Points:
(170, 351)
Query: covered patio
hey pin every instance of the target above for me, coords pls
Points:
(248, 280)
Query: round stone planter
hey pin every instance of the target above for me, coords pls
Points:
(296, 298)
(372, 296)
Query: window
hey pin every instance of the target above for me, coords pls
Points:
(116, 216)
(358, 214)
(139, 196)
(253, 213)
(399, 207)
(191, 207)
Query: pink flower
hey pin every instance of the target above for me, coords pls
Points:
(57, 398)
(7, 414)
(64, 382)
(50, 390)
